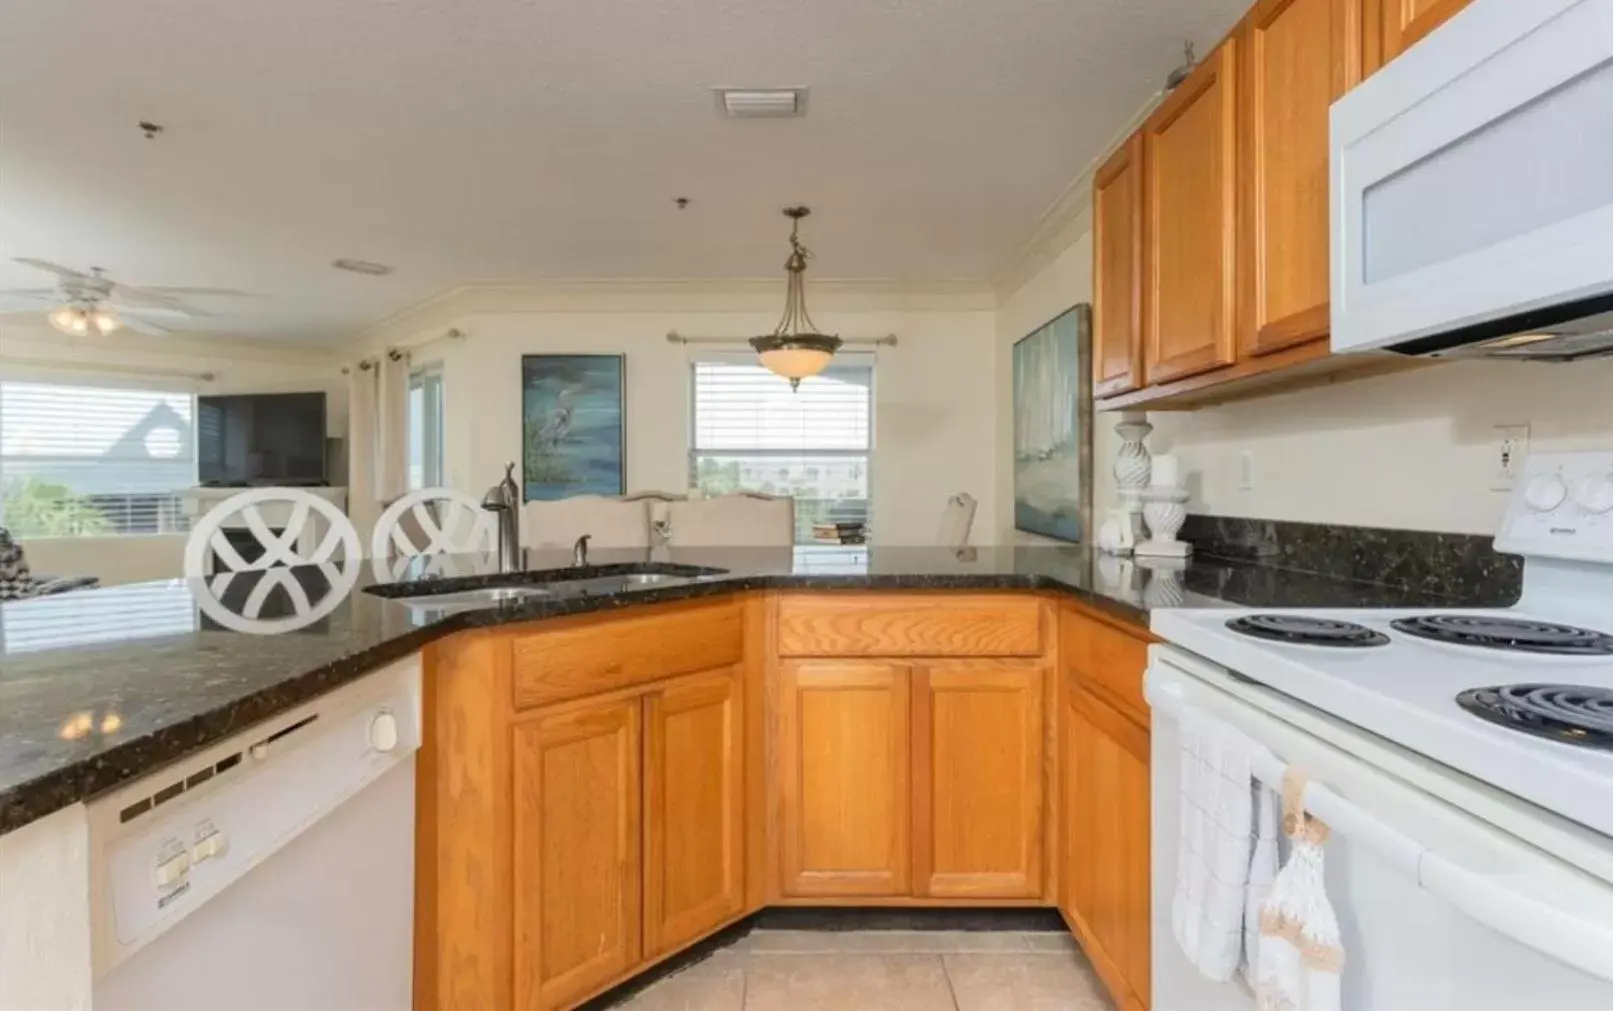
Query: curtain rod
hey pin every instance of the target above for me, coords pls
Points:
(125, 370)
(673, 337)
(401, 350)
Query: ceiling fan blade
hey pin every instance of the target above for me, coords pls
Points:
(145, 326)
(54, 268)
(32, 294)
(125, 293)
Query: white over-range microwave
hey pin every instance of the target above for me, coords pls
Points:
(1472, 189)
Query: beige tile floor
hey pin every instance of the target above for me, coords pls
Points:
(887, 970)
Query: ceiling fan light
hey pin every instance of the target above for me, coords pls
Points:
(70, 320)
(105, 322)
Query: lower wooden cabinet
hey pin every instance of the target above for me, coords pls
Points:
(1105, 862)
(694, 795)
(843, 755)
(977, 779)
(577, 851)
(915, 779)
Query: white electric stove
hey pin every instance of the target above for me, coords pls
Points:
(1471, 750)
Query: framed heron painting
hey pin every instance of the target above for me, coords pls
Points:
(573, 431)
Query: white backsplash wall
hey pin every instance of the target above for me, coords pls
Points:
(1414, 450)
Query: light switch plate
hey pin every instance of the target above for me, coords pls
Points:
(1511, 445)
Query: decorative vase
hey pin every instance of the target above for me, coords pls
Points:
(1133, 464)
(1164, 510)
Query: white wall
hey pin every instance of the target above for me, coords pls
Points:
(1413, 450)
(1064, 280)
(31, 350)
(935, 394)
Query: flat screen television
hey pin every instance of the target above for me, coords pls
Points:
(261, 439)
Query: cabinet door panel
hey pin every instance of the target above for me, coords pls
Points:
(1394, 26)
(1298, 56)
(694, 862)
(1190, 160)
(577, 872)
(1117, 243)
(843, 749)
(1106, 843)
(977, 783)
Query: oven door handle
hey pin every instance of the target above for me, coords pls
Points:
(1581, 942)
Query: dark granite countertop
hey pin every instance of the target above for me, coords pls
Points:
(99, 687)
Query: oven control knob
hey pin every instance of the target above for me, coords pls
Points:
(1595, 494)
(1545, 493)
(384, 732)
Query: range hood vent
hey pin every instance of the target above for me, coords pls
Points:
(1570, 331)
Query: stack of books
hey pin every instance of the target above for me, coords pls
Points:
(839, 533)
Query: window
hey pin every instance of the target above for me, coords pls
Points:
(751, 433)
(425, 428)
(82, 461)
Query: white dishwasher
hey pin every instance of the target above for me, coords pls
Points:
(271, 872)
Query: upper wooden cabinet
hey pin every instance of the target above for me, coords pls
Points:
(977, 778)
(1393, 26)
(1190, 206)
(1297, 57)
(1117, 258)
(843, 730)
(694, 803)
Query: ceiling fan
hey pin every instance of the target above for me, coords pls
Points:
(94, 303)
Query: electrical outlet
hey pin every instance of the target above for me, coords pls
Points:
(1511, 446)
(1246, 470)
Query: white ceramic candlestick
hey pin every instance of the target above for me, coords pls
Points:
(1132, 470)
(1164, 510)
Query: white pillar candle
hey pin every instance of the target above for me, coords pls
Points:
(1167, 472)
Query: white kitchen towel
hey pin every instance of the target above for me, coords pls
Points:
(1216, 839)
(1301, 956)
(1262, 872)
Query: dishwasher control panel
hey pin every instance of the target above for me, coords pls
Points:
(164, 845)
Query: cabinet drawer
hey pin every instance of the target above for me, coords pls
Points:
(886, 625)
(1105, 659)
(602, 653)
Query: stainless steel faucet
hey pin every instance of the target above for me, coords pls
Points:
(579, 552)
(504, 499)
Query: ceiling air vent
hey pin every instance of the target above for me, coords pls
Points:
(759, 103)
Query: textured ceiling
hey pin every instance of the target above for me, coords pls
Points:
(480, 140)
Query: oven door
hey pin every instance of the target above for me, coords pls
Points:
(1472, 179)
(1406, 947)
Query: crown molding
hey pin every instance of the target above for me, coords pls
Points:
(1066, 220)
(20, 333)
(425, 320)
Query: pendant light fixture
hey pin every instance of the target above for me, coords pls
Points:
(795, 349)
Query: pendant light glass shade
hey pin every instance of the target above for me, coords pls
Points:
(795, 349)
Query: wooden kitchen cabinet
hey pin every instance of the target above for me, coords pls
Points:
(1190, 160)
(1105, 873)
(1117, 264)
(1297, 58)
(694, 782)
(977, 779)
(843, 728)
(577, 873)
(1393, 26)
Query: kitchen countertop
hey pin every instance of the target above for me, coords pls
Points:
(99, 687)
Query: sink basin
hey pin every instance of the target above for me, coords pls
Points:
(616, 584)
(486, 596)
(455, 594)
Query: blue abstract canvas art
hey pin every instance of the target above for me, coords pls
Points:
(1052, 425)
(572, 426)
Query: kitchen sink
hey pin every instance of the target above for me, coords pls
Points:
(468, 593)
(486, 596)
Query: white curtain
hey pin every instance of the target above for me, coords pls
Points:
(362, 386)
(392, 427)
